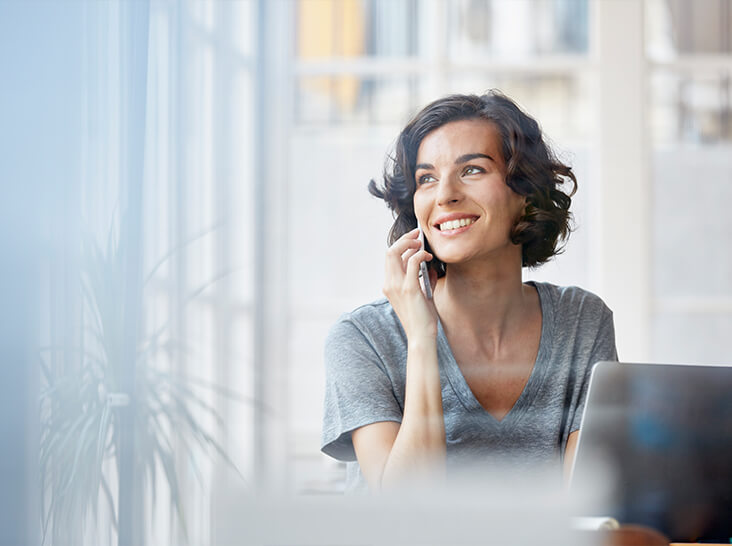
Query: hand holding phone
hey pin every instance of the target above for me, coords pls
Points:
(423, 272)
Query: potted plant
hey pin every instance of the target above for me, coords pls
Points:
(106, 405)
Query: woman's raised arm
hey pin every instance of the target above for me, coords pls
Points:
(390, 453)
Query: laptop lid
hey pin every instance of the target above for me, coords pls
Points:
(660, 437)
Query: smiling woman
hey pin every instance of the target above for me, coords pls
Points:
(490, 370)
(518, 149)
(461, 194)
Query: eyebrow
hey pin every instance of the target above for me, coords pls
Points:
(462, 159)
(467, 157)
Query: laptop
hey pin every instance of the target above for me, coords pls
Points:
(657, 438)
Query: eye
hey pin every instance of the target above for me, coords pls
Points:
(472, 169)
(425, 178)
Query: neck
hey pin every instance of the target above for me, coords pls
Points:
(481, 304)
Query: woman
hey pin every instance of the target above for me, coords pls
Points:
(490, 368)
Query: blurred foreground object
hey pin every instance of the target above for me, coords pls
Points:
(490, 510)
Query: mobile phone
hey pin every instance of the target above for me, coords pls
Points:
(423, 272)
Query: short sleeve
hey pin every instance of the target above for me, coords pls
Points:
(358, 390)
(603, 349)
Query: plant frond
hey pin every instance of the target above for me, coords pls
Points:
(179, 247)
(83, 443)
(168, 463)
(230, 394)
(110, 501)
(203, 437)
(184, 394)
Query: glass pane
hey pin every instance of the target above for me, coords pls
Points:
(690, 108)
(391, 29)
(516, 29)
(311, 471)
(684, 337)
(333, 221)
(682, 26)
(240, 199)
(330, 28)
(313, 100)
(391, 99)
(243, 24)
(560, 102)
(203, 13)
(348, 28)
(691, 223)
(238, 432)
(351, 100)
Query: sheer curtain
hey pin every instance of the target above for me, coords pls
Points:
(163, 143)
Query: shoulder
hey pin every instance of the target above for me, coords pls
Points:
(367, 338)
(374, 316)
(375, 323)
(580, 323)
(573, 302)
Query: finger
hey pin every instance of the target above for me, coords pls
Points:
(412, 234)
(408, 240)
(394, 256)
(405, 257)
(412, 276)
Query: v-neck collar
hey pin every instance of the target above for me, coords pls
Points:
(536, 378)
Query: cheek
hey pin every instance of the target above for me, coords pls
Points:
(514, 204)
(517, 208)
(503, 201)
(420, 207)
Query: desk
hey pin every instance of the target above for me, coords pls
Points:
(635, 535)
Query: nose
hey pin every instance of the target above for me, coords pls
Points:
(449, 191)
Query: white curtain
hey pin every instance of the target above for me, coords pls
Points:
(132, 122)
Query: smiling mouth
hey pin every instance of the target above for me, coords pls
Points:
(452, 225)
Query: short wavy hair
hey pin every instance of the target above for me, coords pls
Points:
(532, 170)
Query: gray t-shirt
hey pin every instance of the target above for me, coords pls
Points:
(365, 360)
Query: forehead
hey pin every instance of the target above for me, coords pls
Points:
(457, 138)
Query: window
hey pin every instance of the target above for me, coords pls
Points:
(690, 64)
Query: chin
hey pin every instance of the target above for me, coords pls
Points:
(453, 259)
(501, 254)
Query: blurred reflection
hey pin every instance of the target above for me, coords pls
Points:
(509, 29)
(667, 433)
(481, 510)
(691, 27)
(372, 62)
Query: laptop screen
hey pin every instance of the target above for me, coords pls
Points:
(663, 436)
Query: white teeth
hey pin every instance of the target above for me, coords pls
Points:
(454, 224)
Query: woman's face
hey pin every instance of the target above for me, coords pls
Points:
(462, 200)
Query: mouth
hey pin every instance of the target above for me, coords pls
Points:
(455, 226)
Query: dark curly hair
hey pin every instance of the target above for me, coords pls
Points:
(532, 170)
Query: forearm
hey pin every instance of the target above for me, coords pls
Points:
(419, 449)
